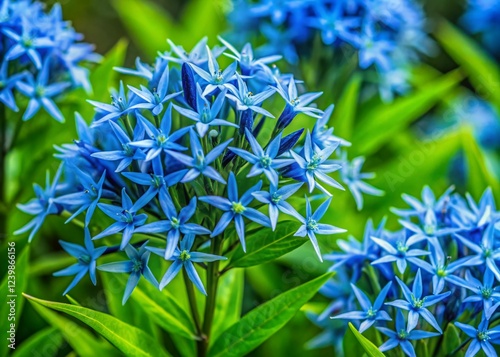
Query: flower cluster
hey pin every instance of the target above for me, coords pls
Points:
(386, 35)
(481, 18)
(41, 56)
(441, 268)
(191, 151)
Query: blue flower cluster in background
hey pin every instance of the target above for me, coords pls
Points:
(482, 18)
(41, 57)
(386, 35)
(438, 273)
(189, 153)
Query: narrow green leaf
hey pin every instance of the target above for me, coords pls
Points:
(345, 108)
(264, 246)
(162, 308)
(149, 30)
(80, 339)
(484, 72)
(451, 341)
(11, 288)
(45, 342)
(350, 343)
(128, 339)
(479, 176)
(229, 301)
(369, 347)
(262, 322)
(383, 122)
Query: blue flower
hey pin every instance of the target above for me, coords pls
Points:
(154, 100)
(353, 177)
(41, 93)
(206, 113)
(86, 255)
(295, 103)
(175, 223)
(429, 202)
(199, 162)
(236, 209)
(127, 154)
(120, 105)
(486, 251)
(197, 56)
(27, 43)
(431, 230)
(483, 292)
(399, 253)
(276, 199)
(416, 305)
(322, 135)
(313, 164)
(370, 313)
(482, 337)
(402, 337)
(161, 139)
(263, 161)
(126, 218)
(85, 199)
(184, 257)
(137, 266)
(8, 83)
(248, 63)
(311, 227)
(333, 24)
(374, 47)
(215, 77)
(41, 206)
(247, 100)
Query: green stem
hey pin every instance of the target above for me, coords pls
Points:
(212, 281)
(192, 304)
(3, 154)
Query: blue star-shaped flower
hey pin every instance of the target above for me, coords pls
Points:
(175, 224)
(482, 337)
(236, 208)
(263, 161)
(120, 105)
(137, 266)
(371, 313)
(86, 255)
(199, 162)
(484, 292)
(247, 100)
(126, 218)
(184, 257)
(276, 199)
(311, 227)
(416, 305)
(402, 337)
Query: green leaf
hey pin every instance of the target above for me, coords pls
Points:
(150, 29)
(264, 246)
(384, 121)
(369, 347)
(451, 341)
(128, 339)
(10, 292)
(262, 322)
(479, 176)
(164, 310)
(229, 301)
(45, 342)
(345, 108)
(484, 72)
(86, 344)
(350, 343)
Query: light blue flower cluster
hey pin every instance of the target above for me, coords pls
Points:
(441, 268)
(41, 56)
(386, 35)
(481, 18)
(191, 151)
